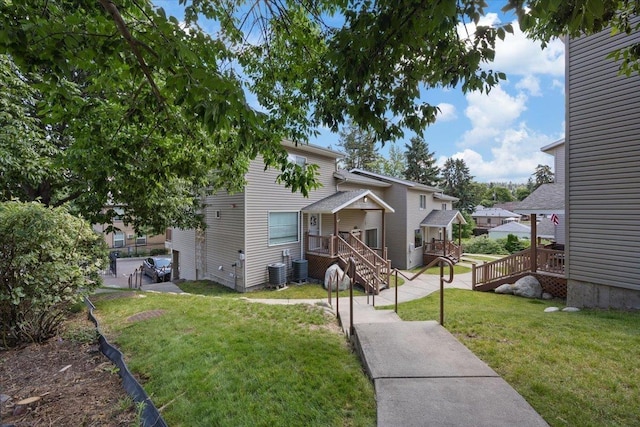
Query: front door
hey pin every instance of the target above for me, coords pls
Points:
(314, 230)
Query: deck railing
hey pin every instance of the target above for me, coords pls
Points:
(548, 261)
(442, 248)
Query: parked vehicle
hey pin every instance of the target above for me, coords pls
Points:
(158, 268)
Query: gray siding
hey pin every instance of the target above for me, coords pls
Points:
(603, 164)
(184, 242)
(263, 195)
(396, 225)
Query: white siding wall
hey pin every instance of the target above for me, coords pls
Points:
(184, 241)
(603, 165)
(264, 195)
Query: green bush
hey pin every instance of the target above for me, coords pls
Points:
(484, 245)
(48, 260)
(159, 251)
(512, 244)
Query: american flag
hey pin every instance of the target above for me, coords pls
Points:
(554, 219)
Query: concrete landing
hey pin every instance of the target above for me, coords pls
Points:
(423, 376)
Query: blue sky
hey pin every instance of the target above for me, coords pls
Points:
(499, 134)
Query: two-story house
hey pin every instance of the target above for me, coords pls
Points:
(265, 233)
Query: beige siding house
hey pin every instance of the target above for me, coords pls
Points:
(411, 232)
(602, 174)
(351, 215)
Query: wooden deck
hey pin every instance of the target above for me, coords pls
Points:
(548, 268)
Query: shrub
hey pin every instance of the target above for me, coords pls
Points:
(484, 245)
(48, 260)
(512, 244)
(159, 251)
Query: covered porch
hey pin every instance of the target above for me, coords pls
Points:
(546, 263)
(436, 227)
(348, 224)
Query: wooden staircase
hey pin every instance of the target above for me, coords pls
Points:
(447, 249)
(372, 270)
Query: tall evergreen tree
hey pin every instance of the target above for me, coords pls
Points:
(359, 147)
(543, 175)
(457, 181)
(421, 165)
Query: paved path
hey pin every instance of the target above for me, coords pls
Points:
(423, 376)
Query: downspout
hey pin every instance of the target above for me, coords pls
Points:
(534, 245)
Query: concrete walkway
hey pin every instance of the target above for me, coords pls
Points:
(423, 376)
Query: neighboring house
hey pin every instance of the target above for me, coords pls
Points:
(602, 174)
(544, 230)
(251, 235)
(422, 222)
(487, 218)
(511, 206)
(125, 240)
(521, 231)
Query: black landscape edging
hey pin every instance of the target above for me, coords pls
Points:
(150, 415)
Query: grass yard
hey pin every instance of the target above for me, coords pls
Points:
(575, 369)
(292, 291)
(228, 362)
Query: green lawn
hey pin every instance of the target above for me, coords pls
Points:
(228, 362)
(575, 369)
(292, 291)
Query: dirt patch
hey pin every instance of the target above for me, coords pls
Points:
(75, 383)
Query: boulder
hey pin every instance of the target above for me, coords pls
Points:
(528, 287)
(333, 275)
(547, 296)
(504, 289)
(570, 309)
(551, 309)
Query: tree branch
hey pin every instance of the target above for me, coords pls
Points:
(110, 7)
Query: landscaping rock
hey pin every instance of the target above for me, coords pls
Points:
(551, 309)
(335, 272)
(528, 287)
(504, 289)
(571, 309)
(547, 296)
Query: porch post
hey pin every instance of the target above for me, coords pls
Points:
(534, 244)
(444, 242)
(384, 233)
(459, 233)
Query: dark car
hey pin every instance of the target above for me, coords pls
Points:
(158, 268)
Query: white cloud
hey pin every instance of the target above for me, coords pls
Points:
(447, 112)
(517, 55)
(530, 84)
(513, 158)
(497, 109)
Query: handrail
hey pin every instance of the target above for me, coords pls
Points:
(547, 260)
(439, 260)
(348, 271)
(371, 267)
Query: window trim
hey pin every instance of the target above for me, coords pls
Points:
(423, 201)
(270, 242)
(122, 239)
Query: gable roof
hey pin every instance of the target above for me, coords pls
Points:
(311, 148)
(342, 199)
(346, 176)
(442, 219)
(546, 199)
(494, 213)
(391, 179)
(544, 228)
(551, 146)
(512, 227)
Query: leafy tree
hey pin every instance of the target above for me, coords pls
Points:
(421, 165)
(143, 110)
(360, 149)
(497, 194)
(547, 19)
(48, 260)
(543, 175)
(484, 245)
(522, 193)
(513, 244)
(457, 181)
(395, 165)
(467, 229)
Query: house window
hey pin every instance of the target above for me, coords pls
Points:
(488, 220)
(423, 201)
(119, 212)
(417, 238)
(444, 206)
(371, 237)
(283, 227)
(118, 239)
(141, 240)
(298, 160)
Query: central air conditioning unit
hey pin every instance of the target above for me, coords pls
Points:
(277, 274)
